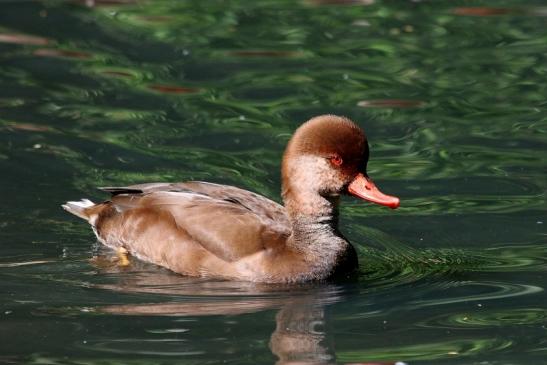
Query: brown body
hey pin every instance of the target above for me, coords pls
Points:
(204, 229)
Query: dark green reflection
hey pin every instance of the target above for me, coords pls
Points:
(451, 95)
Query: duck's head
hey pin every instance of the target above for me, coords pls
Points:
(328, 156)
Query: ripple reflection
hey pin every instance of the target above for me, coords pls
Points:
(490, 318)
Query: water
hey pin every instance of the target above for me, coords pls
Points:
(451, 94)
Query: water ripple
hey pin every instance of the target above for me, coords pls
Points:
(428, 351)
(493, 290)
(490, 318)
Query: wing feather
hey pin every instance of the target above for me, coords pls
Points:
(229, 222)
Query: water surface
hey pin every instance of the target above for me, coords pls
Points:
(451, 94)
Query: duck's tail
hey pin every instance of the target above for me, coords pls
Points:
(79, 208)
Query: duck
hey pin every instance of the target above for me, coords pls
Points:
(205, 229)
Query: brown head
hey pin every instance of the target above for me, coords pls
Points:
(328, 156)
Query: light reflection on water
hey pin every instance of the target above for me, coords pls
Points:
(452, 97)
(304, 314)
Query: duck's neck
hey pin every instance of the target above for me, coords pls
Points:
(314, 220)
(315, 235)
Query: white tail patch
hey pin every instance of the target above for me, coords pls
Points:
(84, 203)
(78, 208)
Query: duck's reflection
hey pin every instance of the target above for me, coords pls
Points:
(300, 335)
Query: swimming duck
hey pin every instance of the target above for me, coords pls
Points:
(212, 230)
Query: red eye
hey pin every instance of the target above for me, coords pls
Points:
(336, 160)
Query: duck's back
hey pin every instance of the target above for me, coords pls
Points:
(192, 228)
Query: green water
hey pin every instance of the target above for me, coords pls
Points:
(452, 95)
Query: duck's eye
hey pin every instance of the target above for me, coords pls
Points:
(336, 160)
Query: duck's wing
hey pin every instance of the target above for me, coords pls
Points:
(256, 203)
(229, 222)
